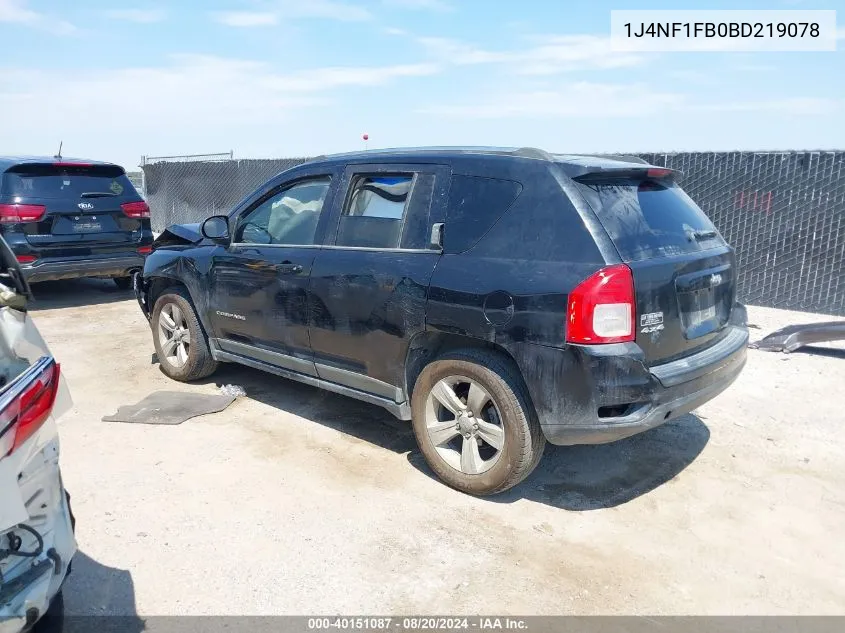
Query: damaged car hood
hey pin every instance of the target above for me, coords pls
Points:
(180, 234)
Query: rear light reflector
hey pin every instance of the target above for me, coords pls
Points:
(136, 209)
(601, 308)
(27, 405)
(26, 259)
(145, 250)
(13, 213)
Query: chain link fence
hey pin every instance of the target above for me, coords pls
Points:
(193, 190)
(784, 212)
(785, 215)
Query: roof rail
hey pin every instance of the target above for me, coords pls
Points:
(533, 152)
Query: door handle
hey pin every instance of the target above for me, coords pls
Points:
(289, 268)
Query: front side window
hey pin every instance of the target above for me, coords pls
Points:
(289, 216)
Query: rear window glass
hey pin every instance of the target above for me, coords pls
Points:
(51, 182)
(647, 219)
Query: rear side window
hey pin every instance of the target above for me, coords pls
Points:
(647, 219)
(475, 204)
(51, 182)
(387, 211)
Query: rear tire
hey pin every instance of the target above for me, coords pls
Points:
(123, 283)
(504, 416)
(180, 343)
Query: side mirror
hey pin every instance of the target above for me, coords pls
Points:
(216, 228)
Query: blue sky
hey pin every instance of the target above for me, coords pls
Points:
(270, 78)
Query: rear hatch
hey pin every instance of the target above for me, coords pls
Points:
(684, 271)
(64, 209)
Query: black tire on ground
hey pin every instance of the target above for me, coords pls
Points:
(200, 362)
(524, 439)
(124, 283)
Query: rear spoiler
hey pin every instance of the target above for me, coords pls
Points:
(108, 170)
(628, 172)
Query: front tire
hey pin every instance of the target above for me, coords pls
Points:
(180, 343)
(475, 424)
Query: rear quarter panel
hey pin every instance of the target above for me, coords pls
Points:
(511, 289)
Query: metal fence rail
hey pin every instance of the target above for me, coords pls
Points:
(783, 211)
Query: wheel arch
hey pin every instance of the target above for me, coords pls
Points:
(157, 285)
(429, 345)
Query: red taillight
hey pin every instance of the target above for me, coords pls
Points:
(11, 213)
(26, 259)
(658, 172)
(26, 412)
(136, 209)
(145, 250)
(602, 309)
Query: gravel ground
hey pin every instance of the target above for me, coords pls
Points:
(296, 501)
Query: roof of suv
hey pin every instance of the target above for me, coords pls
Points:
(409, 154)
(7, 162)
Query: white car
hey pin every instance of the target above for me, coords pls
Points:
(37, 540)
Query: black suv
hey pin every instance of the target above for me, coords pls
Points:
(496, 298)
(71, 218)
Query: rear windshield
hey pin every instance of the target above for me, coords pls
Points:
(52, 182)
(647, 219)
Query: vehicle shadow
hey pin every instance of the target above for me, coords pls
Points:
(580, 478)
(592, 477)
(576, 478)
(96, 598)
(361, 420)
(69, 293)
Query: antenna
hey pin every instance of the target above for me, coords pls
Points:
(59, 155)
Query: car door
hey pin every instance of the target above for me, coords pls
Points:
(370, 280)
(259, 283)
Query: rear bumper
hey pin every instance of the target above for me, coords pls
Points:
(49, 270)
(139, 285)
(607, 393)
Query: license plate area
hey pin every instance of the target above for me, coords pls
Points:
(77, 225)
(704, 301)
(701, 308)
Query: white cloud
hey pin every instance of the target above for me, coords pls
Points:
(193, 90)
(247, 18)
(576, 100)
(429, 5)
(139, 16)
(392, 30)
(282, 10)
(548, 55)
(18, 12)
